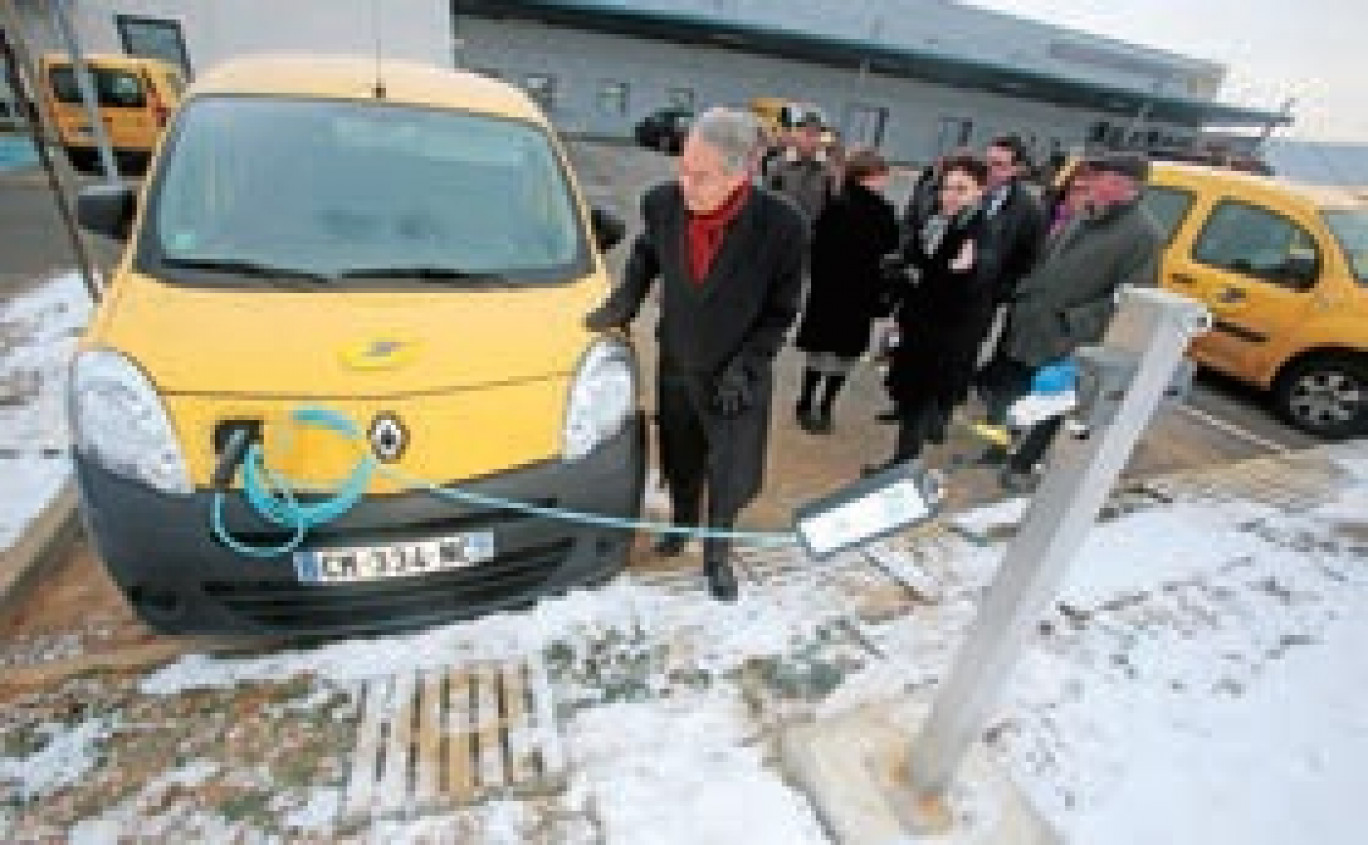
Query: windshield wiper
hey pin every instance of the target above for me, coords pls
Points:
(425, 273)
(256, 270)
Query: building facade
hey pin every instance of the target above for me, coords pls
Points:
(913, 77)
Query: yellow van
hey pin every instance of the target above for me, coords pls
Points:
(1284, 270)
(353, 272)
(136, 96)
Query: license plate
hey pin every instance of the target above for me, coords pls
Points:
(396, 560)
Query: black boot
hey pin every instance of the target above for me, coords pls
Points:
(684, 510)
(717, 568)
(811, 378)
(822, 423)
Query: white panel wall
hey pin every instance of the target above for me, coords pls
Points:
(582, 61)
(215, 30)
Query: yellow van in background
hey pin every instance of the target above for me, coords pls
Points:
(347, 269)
(137, 97)
(1284, 270)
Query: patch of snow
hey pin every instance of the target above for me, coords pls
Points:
(38, 332)
(705, 784)
(980, 521)
(1151, 548)
(27, 484)
(318, 813)
(68, 754)
(719, 637)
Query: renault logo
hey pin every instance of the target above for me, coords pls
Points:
(382, 353)
(387, 437)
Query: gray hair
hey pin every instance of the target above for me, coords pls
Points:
(733, 133)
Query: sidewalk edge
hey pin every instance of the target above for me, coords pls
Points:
(53, 527)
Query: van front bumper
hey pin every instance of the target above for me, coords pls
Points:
(162, 553)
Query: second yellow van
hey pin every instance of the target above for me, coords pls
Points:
(136, 98)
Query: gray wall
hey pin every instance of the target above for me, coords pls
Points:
(583, 63)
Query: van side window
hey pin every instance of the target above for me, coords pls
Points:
(1258, 243)
(113, 88)
(1168, 206)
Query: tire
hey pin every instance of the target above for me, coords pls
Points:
(664, 144)
(1325, 395)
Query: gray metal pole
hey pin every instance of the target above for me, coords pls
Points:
(1153, 327)
(86, 83)
(14, 57)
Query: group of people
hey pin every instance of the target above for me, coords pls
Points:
(987, 283)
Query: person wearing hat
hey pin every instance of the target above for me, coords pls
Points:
(1068, 300)
(802, 173)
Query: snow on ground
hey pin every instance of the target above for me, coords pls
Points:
(38, 332)
(1196, 681)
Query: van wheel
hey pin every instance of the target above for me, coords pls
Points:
(1325, 395)
(664, 144)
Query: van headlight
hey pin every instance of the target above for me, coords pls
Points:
(602, 397)
(118, 420)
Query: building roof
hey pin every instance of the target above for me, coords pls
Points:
(941, 68)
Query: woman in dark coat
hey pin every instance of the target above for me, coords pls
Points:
(856, 229)
(942, 317)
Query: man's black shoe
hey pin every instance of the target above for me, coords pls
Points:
(721, 579)
(670, 545)
(1017, 482)
(875, 469)
(821, 423)
(993, 456)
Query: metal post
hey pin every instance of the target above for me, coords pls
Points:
(15, 59)
(86, 83)
(1152, 329)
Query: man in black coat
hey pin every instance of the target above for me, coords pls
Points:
(1016, 225)
(730, 259)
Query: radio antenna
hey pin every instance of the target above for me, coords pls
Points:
(379, 90)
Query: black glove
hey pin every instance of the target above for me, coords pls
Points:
(732, 393)
(607, 316)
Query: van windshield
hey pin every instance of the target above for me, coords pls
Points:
(359, 193)
(1351, 229)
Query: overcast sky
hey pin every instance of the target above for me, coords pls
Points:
(1314, 50)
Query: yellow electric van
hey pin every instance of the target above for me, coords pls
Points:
(136, 97)
(1284, 270)
(377, 282)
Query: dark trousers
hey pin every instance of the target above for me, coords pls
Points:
(1002, 382)
(700, 450)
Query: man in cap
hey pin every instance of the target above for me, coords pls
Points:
(729, 257)
(801, 172)
(1068, 300)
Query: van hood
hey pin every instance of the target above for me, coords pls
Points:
(266, 343)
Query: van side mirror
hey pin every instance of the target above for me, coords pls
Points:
(107, 210)
(1301, 270)
(608, 228)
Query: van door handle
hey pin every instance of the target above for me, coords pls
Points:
(1182, 279)
(1231, 296)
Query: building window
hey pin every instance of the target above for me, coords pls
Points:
(541, 88)
(154, 38)
(612, 98)
(680, 98)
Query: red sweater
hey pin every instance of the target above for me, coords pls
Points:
(704, 234)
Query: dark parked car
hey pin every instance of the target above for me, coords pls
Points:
(664, 130)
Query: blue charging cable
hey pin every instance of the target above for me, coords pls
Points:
(274, 497)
